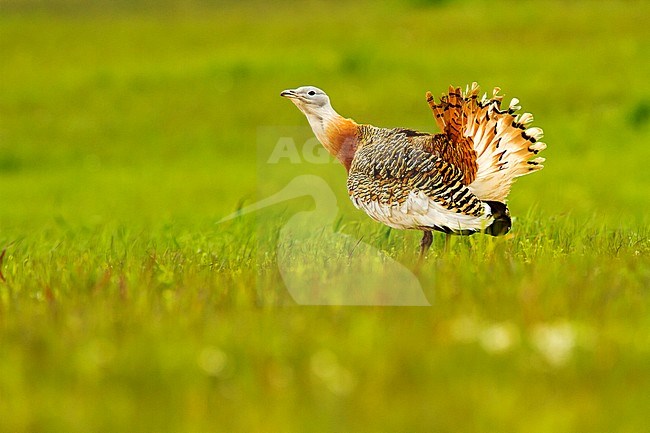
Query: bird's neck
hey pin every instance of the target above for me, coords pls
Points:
(336, 133)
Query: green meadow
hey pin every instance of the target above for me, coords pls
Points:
(128, 130)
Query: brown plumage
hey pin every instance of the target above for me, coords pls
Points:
(455, 181)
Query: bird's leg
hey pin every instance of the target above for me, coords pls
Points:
(447, 241)
(425, 243)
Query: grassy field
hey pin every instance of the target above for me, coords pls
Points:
(127, 131)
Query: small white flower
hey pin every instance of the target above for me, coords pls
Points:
(499, 338)
(554, 342)
(212, 360)
(337, 379)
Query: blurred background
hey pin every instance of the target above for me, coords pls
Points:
(162, 101)
(127, 128)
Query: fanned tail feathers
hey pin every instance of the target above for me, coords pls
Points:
(502, 139)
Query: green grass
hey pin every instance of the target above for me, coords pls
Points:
(126, 133)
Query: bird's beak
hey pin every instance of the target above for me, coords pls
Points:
(289, 93)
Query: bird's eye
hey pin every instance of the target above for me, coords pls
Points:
(311, 93)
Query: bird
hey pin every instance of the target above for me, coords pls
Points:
(455, 181)
(322, 267)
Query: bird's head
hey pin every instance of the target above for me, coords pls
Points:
(338, 135)
(310, 100)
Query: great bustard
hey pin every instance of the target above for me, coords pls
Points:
(455, 182)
